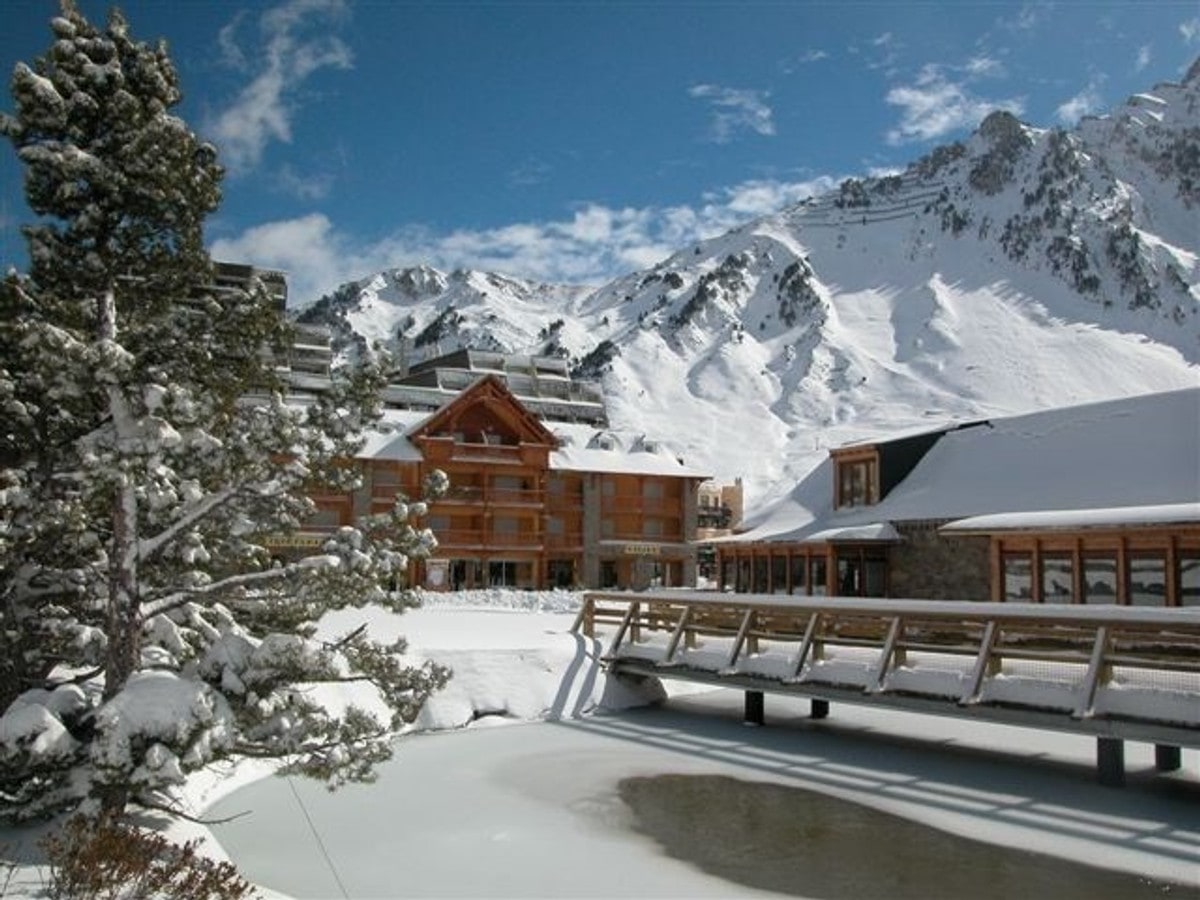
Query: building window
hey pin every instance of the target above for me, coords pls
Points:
(608, 573)
(816, 576)
(1058, 579)
(799, 565)
(1147, 580)
(743, 578)
(849, 576)
(502, 573)
(762, 566)
(856, 483)
(652, 528)
(1099, 579)
(779, 575)
(560, 573)
(325, 517)
(1189, 580)
(1018, 578)
(728, 575)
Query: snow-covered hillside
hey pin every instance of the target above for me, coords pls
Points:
(1021, 269)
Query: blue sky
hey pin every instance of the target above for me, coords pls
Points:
(575, 141)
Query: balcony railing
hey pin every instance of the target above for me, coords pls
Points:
(479, 537)
(475, 495)
(635, 503)
(565, 541)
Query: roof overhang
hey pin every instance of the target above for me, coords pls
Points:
(873, 533)
(1166, 515)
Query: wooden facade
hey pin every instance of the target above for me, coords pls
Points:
(516, 515)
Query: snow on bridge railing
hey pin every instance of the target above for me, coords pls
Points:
(1127, 664)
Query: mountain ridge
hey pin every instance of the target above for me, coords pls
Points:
(1018, 269)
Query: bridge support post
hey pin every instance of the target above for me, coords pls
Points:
(1167, 758)
(1110, 761)
(754, 708)
(818, 708)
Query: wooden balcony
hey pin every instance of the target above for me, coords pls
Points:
(635, 503)
(477, 538)
(565, 541)
(474, 495)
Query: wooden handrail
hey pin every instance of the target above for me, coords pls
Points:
(885, 637)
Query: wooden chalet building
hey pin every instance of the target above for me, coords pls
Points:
(1089, 504)
(534, 502)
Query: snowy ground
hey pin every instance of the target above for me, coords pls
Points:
(480, 811)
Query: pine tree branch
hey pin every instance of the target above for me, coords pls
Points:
(81, 678)
(149, 547)
(176, 599)
(174, 810)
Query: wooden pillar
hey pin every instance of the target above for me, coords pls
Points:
(1167, 758)
(1110, 761)
(754, 708)
(818, 708)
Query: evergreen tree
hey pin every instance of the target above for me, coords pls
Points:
(146, 448)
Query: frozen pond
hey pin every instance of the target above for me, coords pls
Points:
(537, 810)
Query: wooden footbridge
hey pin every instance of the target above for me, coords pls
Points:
(1116, 673)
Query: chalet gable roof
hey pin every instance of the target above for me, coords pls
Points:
(487, 398)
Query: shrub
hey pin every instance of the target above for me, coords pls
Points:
(106, 859)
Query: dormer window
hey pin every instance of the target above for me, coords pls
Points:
(857, 480)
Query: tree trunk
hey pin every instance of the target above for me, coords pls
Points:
(123, 620)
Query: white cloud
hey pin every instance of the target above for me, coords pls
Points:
(1086, 102)
(790, 65)
(934, 106)
(1143, 57)
(984, 66)
(305, 187)
(735, 110)
(263, 110)
(1190, 30)
(595, 244)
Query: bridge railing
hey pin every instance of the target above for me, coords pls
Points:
(1134, 664)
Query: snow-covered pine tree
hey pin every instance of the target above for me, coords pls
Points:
(146, 448)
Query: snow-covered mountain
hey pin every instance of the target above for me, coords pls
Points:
(1023, 268)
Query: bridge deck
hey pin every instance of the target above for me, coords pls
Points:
(1113, 672)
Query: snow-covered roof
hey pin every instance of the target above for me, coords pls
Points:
(1132, 455)
(584, 448)
(392, 442)
(1162, 514)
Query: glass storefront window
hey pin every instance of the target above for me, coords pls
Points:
(816, 573)
(849, 576)
(1189, 580)
(779, 574)
(1018, 578)
(799, 566)
(1147, 580)
(1100, 579)
(1058, 579)
(761, 566)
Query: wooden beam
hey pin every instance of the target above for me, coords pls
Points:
(680, 626)
(1097, 674)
